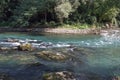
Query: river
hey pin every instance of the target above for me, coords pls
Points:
(89, 54)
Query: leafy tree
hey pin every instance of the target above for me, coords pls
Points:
(28, 8)
(23, 12)
(3, 7)
(27, 12)
(64, 8)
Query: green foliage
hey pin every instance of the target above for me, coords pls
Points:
(63, 10)
(65, 7)
(76, 26)
(3, 5)
(6, 9)
(111, 14)
(22, 13)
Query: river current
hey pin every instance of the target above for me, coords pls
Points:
(94, 54)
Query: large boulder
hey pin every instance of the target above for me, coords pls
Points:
(64, 75)
(50, 55)
(25, 47)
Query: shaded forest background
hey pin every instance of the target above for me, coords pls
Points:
(79, 13)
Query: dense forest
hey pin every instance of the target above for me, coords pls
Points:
(34, 13)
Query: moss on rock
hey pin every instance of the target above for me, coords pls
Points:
(25, 47)
(64, 75)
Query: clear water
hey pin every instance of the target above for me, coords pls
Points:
(102, 56)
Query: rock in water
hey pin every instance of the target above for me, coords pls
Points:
(116, 78)
(25, 47)
(64, 75)
(36, 64)
(4, 48)
(12, 40)
(49, 55)
(4, 76)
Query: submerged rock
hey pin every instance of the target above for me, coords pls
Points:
(50, 55)
(12, 40)
(8, 48)
(4, 76)
(83, 51)
(64, 75)
(93, 76)
(4, 48)
(89, 76)
(25, 47)
(36, 64)
(116, 78)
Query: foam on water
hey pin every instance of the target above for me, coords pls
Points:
(108, 38)
(100, 53)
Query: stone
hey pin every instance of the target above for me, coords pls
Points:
(25, 47)
(4, 76)
(64, 75)
(90, 76)
(84, 51)
(14, 48)
(36, 64)
(116, 78)
(50, 55)
(93, 76)
(4, 48)
(8, 48)
(12, 40)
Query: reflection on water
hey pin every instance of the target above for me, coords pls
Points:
(88, 54)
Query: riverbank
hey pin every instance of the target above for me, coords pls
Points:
(71, 31)
(53, 30)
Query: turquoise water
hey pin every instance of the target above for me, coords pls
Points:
(101, 56)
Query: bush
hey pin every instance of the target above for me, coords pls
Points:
(76, 26)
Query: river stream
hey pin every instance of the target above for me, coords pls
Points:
(92, 55)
